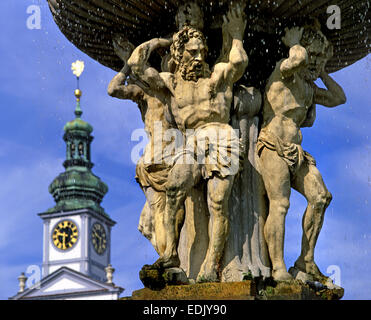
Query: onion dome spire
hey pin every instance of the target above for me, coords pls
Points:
(77, 187)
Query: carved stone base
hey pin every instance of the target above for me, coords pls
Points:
(297, 290)
(244, 290)
(318, 283)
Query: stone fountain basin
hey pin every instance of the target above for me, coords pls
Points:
(90, 24)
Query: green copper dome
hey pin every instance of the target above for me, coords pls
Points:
(78, 124)
(77, 187)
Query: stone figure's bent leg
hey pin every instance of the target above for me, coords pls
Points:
(156, 201)
(308, 181)
(218, 192)
(276, 177)
(181, 178)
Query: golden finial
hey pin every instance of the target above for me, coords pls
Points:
(78, 94)
(78, 68)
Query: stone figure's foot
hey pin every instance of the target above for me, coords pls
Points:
(209, 275)
(207, 278)
(164, 262)
(156, 277)
(310, 268)
(152, 277)
(281, 275)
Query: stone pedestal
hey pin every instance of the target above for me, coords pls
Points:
(244, 290)
(297, 290)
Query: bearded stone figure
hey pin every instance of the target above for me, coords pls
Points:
(200, 100)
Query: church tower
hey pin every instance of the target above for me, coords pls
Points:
(77, 230)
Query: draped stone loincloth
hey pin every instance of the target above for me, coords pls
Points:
(153, 167)
(215, 146)
(152, 175)
(292, 153)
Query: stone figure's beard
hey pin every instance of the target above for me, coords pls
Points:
(192, 71)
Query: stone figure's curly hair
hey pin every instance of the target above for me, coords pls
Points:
(181, 38)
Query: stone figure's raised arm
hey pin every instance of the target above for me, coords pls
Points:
(138, 63)
(298, 55)
(333, 96)
(235, 24)
(118, 87)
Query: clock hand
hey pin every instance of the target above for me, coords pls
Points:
(64, 240)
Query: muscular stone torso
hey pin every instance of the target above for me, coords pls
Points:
(197, 103)
(152, 111)
(286, 105)
(157, 121)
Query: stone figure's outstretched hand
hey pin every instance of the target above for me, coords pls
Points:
(292, 36)
(123, 47)
(235, 22)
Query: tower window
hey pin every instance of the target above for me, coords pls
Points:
(73, 147)
(81, 149)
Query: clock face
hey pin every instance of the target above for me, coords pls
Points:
(65, 235)
(99, 238)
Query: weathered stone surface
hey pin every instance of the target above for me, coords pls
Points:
(157, 278)
(297, 290)
(299, 275)
(152, 277)
(245, 290)
(175, 276)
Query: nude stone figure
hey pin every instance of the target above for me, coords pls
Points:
(289, 104)
(152, 168)
(200, 99)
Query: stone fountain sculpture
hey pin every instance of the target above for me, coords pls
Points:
(209, 220)
(223, 215)
(198, 257)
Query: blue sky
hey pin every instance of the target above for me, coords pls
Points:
(36, 94)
